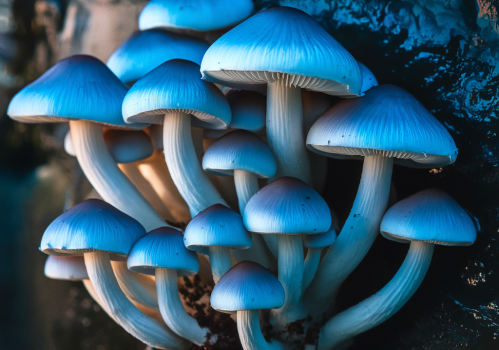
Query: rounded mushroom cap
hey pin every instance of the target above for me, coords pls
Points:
(127, 146)
(68, 144)
(216, 226)
(204, 15)
(162, 248)
(176, 86)
(430, 216)
(287, 206)
(92, 225)
(247, 286)
(67, 268)
(323, 240)
(282, 43)
(146, 50)
(387, 121)
(240, 150)
(368, 78)
(249, 109)
(78, 87)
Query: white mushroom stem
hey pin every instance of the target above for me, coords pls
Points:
(290, 265)
(173, 311)
(220, 261)
(133, 173)
(141, 326)
(246, 186)
(285, 131)
(382, 305)
(356, 237)
(250, 334)
(108, 180)
(187, 174)
(310, 266)
(154, 169)
(91, 290)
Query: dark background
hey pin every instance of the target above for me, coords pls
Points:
(445, 52)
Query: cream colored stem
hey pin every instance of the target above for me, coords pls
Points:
(154, 169)
(133, 173)
(250, 334)
(173, 311)
(382, 305)
(285, 131)
(141, 326)
(356, 237)
(246, 187)
(105, 176)
(185, 169)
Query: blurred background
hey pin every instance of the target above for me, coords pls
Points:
(445, 52)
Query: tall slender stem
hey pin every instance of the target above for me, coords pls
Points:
(356, 237)
(382, 305)
(246, 186)
(285, 131)
(220, 262)
(105, 176)
(310, 266)
(136, 323)
(250, 334)
(185, 169)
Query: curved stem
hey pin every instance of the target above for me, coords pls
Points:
(246, 187)
(310, 266)
(382, 305)
(356, 237)
(133, 174)
(91, 290)
(155, 170)
(185, 169)
(285, 131)
(136, 323)
(250, 334)
(290, 265)
(105, 176)
(173, 311)
(220, 262)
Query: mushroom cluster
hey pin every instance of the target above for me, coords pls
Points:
(230, 182)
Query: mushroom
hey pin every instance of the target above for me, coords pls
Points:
(214, 232)
(162, 253)
(288, 208)
(101, 232)
(257, 52)
(173, 94)
(245, 289)
(424, 219)
(368, 78)
(386, 123)
(245, 156)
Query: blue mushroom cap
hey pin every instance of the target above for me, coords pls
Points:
(204, 15)
(249, 109)
(323, 240)
(162, 248)
(92, 225)
(247, 286)
(127, 146)
(430, 216)
(240, 150)
(388, 121)
(282, 43)
(287, 206)
(146, 50)
(368, 78)
(78, 87)
(176, 86)
(216, 226)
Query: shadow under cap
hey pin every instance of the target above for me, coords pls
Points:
(247, 286)
(287, 206)
(162, 248)
(176, 86)
(127, 146)
(146, 50)
(78, 87)
(240, 150)
(387, 121)
(430, 216)
(200, 15)
(92, 225)
(257, 52)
